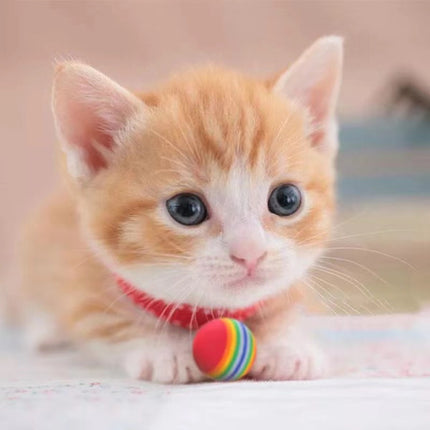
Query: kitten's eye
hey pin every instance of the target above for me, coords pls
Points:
(285, 200)
(187, 209)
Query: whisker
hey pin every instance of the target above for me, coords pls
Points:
(351, 218)
(354, 282)
(178, 294)
(374, 251)
(362, 266)
(343, 301)
(384, 303)
(322, 298)
(168, 142)
(370, 233)
(192, 148)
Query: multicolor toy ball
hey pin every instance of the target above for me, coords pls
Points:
(224, 349)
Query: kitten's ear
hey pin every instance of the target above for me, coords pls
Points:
(90, 112)
(313, 81)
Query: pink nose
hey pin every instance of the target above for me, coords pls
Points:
(248, 257)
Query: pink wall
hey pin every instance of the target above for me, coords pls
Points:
(140, 42)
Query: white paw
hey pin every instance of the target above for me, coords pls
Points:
(167, 363)
(42, 333)
(289, 361)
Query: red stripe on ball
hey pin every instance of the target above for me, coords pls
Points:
(209, 345)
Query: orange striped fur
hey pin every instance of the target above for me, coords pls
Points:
(202, 132)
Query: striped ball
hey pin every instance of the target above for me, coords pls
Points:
(224, 349)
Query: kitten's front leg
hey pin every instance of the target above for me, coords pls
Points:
(158, 357)
(287, 353)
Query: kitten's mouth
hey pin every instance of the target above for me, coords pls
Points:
(250, 279)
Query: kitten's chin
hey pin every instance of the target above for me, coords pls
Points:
(177, 286)
(249, 291)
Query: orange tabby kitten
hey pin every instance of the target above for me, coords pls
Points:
(212, 195)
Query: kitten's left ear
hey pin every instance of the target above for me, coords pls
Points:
(91, 113)
(313, 81)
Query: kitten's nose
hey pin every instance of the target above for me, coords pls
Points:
(251, 262)
(248, 253)
(247, 244)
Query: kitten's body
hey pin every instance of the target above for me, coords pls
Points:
(230, 140)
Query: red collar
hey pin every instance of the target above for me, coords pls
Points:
(183, 315)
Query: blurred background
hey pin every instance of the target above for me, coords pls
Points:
(379, 259)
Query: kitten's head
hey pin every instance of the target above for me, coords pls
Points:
(216, 189)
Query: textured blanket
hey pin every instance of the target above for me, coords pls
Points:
(380, 380)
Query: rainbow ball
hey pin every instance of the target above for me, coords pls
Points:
(224, 349)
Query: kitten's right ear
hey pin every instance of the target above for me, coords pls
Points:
(313, 81)
(90, 112)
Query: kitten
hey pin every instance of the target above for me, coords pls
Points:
(212, 195)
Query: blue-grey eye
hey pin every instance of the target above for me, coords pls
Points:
(285, 200)
(187, 209)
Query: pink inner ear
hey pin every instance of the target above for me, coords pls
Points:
(317, 137)
(90, 111)
(314, 81)
(320, 105)
(84, 129)
(92, 156)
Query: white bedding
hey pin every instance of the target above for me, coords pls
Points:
(63, 391)
(116, 404)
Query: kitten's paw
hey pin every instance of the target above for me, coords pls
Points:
(166, 364)
(42, 334)
(294, 361)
